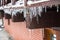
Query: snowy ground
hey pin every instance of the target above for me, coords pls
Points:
(4, 35)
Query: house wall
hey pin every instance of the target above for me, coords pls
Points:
(19, 31)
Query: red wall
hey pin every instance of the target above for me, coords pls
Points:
(19, 31)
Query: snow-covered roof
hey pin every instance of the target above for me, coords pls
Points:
(1, 8)
(33, 2)
(17, 4)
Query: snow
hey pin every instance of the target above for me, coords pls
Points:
(33, 2)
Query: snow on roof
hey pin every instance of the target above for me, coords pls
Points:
(17, 4)
(33, 2)
(1, 8)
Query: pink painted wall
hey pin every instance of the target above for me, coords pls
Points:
(19, 31)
